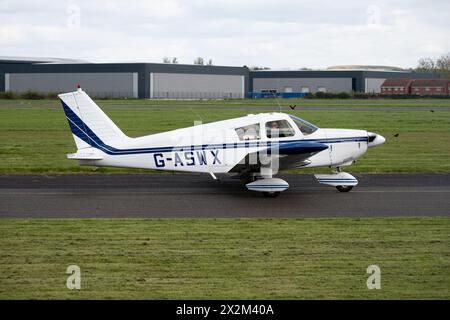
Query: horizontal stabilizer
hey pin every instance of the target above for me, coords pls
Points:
(84, 156)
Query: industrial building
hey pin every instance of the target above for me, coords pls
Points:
(134, 80)
(366, 79)
(181, 81)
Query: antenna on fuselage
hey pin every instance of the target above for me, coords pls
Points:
(276, 99)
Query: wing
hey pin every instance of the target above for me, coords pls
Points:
(289, 153)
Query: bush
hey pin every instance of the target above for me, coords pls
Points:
(51, 95)
(343, 95)
(324, 95)
(32, 95)
(8, 95)
(360, 95)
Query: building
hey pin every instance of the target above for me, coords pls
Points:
(182, 81)
(335, 79)
(427, 87)
(396, 86)
(134, 80)
(421, 87)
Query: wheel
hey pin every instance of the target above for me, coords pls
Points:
(271, 194)
(344, 188)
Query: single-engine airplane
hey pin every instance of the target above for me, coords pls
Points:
(254, 147)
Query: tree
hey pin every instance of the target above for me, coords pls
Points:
(440, 66)
(175, 60)
(443, 65)
(199, 61)
(259, 68)
(166, 60)
(426, 65)
(210, 62)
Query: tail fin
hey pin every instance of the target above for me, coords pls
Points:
(90, 126)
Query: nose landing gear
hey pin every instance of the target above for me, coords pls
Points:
(271, 194)
(344, 188)
(343, 181)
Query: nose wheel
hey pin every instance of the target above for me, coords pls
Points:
(271, 194)
(343, 181)
(344, 188)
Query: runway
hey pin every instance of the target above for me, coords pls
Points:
(198, 196)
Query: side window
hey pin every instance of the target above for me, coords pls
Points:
(250, 132)
(279, 129)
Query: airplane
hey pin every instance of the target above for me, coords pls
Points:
(254, 148)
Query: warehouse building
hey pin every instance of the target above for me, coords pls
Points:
(134, 80)
(366, 79)
(181, 81)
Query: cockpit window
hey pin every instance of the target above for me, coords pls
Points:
(279, 129)
(304, 126)
(250, 132)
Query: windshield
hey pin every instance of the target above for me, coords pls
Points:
(304, 126)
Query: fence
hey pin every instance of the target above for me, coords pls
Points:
(258, 95)
(195, 95)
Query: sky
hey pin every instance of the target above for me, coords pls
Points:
(278, 34)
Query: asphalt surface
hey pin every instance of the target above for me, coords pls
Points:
(195, 195)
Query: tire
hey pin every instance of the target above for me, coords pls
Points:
(271, 194)
(344, 188)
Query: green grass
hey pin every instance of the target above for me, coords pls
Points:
(35, 138)
(226, 258)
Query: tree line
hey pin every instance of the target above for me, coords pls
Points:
(198, 60)
(440, 66)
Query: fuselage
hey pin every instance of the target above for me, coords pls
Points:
(219, 146)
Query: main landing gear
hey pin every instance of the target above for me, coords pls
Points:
(270, 187)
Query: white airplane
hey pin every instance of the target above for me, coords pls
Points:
(254, 147)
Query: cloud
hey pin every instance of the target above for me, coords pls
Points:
(278, 34)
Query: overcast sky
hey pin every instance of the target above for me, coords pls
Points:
(278, 34)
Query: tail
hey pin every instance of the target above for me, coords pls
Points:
(90, 126)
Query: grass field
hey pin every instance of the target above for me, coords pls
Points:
(34, 134)
(226, 258)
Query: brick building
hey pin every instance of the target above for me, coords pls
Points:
(428, 87)
(421, 87)
(396, 86)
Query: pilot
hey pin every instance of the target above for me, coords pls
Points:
(274, 131)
